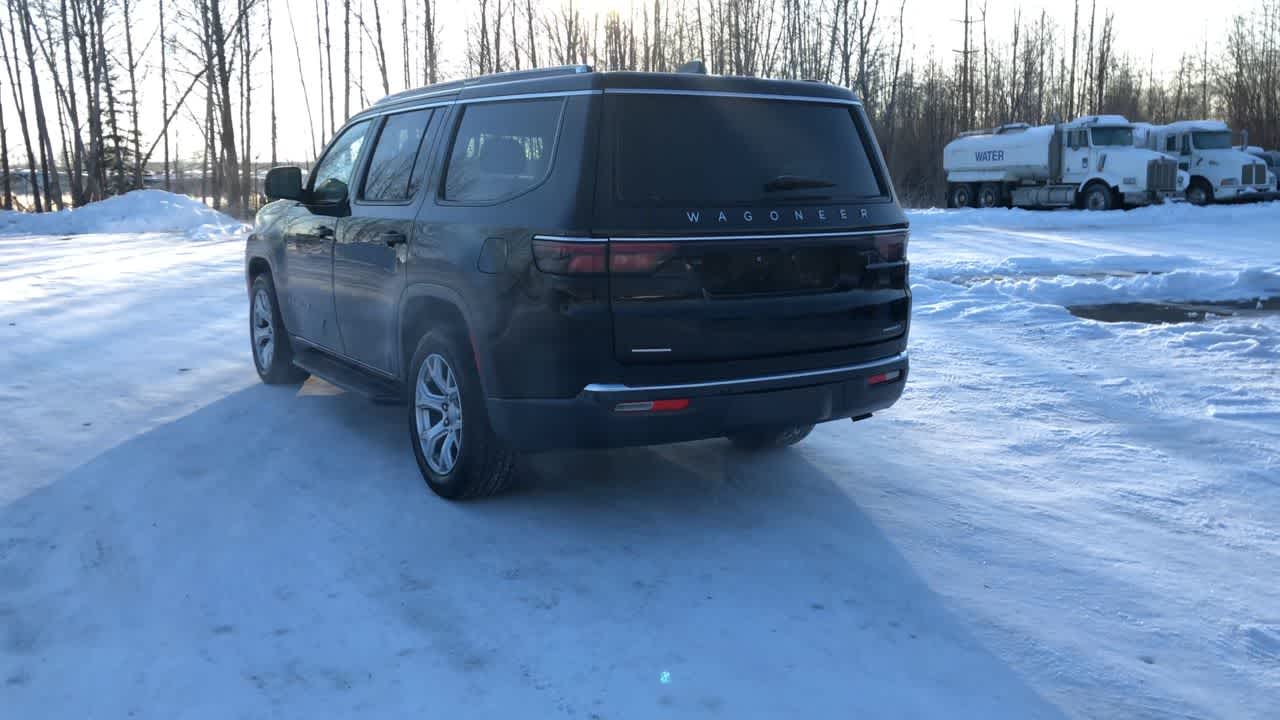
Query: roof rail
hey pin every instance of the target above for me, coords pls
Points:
(695, 66)
(482, 80)
(534, 74)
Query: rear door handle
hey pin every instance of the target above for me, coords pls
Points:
(394, 237)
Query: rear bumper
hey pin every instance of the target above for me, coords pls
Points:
(715, 408)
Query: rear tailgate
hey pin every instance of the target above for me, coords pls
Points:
(746, 226)
(744, 297)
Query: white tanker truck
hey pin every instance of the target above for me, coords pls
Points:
(1090, 162)
(1219, 171)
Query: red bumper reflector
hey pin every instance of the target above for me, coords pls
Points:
(883, 378)
(652, 406)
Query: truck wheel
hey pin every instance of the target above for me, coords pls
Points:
(961, 195)
(457, 451)
(272, 351)
(989, 195)
(1199, 193)
(1098, 197)
(770, 439)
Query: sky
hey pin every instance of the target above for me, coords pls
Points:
(1161, 32)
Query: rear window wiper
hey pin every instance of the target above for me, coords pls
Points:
(795, 182)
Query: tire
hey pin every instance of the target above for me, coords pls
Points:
(268, 340)
(961, 195)
(1098, 197)
(989, 196)
(465, 459)
(771, 439)
(1199, 193)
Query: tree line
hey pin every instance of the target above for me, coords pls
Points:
(70, 87)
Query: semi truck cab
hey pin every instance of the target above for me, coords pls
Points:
(1219, 171)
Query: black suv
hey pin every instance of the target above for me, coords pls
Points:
(565, 258)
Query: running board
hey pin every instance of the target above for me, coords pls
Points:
(351, 379)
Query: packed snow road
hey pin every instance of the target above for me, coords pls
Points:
(1062, 518)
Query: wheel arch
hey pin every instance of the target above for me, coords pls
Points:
(1097, 179)
(1194, 180)
(424, 307)
(256, 265)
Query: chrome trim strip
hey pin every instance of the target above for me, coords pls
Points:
(600, 388)
(526, 96)
(761, 236)
(567, 238)
(397, 109)
(743, 95)
(394, 108)
(417, 96)
(552, 73)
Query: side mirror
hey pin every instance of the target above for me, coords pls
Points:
(283, 183)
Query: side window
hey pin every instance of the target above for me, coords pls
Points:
(1186, 144)
(395, 171)
(332, 176)
(502, 149)
(1171, 144)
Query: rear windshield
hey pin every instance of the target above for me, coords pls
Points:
(694, 150)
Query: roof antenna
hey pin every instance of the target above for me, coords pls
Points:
(695, 67)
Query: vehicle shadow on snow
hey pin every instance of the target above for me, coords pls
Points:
(275, 547)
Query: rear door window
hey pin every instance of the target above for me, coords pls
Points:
(502, 149)
(397, 165)
(690, 150)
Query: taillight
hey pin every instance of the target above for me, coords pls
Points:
(569, 257)
(892, 248)
(627, 257)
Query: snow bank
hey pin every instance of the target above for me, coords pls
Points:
(134, 212)
(1176, 286)
(1065, 219)
(1025, 269)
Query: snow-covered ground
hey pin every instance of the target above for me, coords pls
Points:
(1062, 518)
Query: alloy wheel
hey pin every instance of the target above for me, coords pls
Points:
(438, 405)
(264, 340)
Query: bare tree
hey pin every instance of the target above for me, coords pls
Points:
(132, 69)
(6, 197)
(328, 61)
(404, 42)
(346, 65)
(15, 88)
(379, 49)
(164, 94)
(222, 76)
(431, 47)
(302, 82)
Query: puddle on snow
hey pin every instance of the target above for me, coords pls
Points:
(1162, 313)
